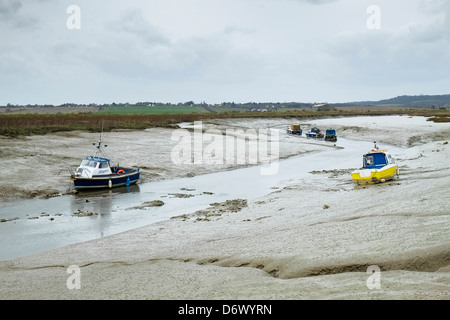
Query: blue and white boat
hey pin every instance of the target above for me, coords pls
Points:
(330, 135)
(314, 133)
(95, 171)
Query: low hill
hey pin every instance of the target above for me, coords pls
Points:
(420, 101)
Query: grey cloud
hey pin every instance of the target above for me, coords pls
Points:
(126, 46)
(316, 2)
(428, 34)
(320, 1)
(125, 53)
(382, 58)
(237, 30)
(434, 6)
(437, 31)
(418, 54)
(8, 8)
(11, 15)
(133, 24)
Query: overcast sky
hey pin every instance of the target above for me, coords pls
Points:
(222, 50)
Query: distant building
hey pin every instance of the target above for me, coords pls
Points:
(323, 107)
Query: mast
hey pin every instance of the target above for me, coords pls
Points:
(100, 151)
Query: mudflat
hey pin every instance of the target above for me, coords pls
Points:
(321, 237)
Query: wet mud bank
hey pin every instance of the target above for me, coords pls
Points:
(314, 235)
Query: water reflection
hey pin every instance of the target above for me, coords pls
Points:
(98, 204)
(104, 192)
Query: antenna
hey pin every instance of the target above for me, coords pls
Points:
(99, 146)
(101, 132)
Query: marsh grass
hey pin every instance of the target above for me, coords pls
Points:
(14, 125)
(442, 118)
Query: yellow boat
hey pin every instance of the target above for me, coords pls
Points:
(378, 166)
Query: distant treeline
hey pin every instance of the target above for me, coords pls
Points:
(407, 101)
(218, 107)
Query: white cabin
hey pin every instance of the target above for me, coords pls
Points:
(93, 166)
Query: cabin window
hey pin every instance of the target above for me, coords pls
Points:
(390, 159)
(103, 165)
(368, 161)
(89, 163)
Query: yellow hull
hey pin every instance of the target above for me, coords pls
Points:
(365, 176)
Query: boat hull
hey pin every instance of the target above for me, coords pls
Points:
(107, 181)
(366, 176)
(298, 132)
(314, 135)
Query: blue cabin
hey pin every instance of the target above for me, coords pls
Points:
(376, 160)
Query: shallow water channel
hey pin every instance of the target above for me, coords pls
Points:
(44, 224)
